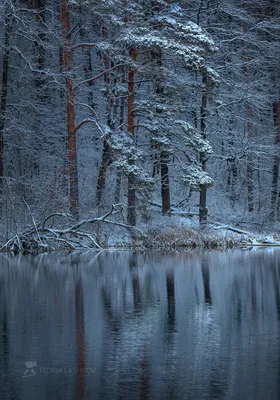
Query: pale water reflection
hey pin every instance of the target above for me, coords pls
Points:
(140, 326)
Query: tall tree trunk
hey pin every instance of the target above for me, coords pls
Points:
(105, 162)
(72, 140)
(131, 181)
(4, 90)
(249, 177)
(232, 165)
(275, 171)
(106, 151)
(164, 154)
(131, 194)
(203, 189)
(165, 189)
(39, 50)
(250, 185)
(40, 45)
(87, 64)
(121, 122)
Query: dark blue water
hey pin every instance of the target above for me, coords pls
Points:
(153, 326)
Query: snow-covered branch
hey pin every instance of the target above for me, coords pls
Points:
(75, 235)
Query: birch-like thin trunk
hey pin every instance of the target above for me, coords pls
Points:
(275, 170)
(131, 193)
(249, 174)
(87, 63)
(202, 188)
(40, 45)
(4, 90)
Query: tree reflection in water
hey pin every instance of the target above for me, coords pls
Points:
(145, 326)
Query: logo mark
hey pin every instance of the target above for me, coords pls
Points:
(30, 369)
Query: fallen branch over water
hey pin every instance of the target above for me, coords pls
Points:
(72, 234)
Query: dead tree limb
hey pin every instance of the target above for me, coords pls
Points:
(75, 235)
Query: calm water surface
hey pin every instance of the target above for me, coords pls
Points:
(133, 326)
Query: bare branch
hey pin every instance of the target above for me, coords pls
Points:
(26, 241)
(77, 46)
(62, 214)
(97, 76)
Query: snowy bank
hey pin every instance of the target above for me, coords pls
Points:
(155, 232)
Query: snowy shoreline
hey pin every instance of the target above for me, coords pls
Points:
(156, 232)
(176, 239)
(192, 239)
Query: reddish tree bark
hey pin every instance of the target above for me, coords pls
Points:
(131, 193)
(121, 105)
(72, 142)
